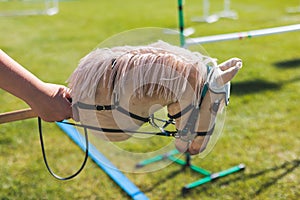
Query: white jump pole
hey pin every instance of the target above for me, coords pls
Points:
(242, 35)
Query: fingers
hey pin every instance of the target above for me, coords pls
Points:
(68, 99)
(60, 107)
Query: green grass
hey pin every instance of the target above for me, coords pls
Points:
(262, 124)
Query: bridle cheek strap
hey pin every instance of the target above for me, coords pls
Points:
(205, 133)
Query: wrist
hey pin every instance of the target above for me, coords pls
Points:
(35, 94)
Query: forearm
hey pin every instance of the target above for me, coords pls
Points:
(49, 101)
(17, 80)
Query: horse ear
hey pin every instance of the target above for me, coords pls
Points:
(228, 70)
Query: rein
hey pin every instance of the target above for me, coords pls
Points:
(164, 133)
(45, 157)
(177, 134)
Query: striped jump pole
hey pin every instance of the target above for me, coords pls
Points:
(181, 23)
(208, 176)
(242, 35)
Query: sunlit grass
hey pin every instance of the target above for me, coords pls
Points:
(262, 124)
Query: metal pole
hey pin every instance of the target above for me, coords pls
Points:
(242, 35)
(181, 23)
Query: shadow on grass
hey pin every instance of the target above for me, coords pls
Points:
(165, 179)
(253, 86)
(5, 141)
(259, 85)
(281, 170)
(288, 64)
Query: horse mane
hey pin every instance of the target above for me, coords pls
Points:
(159, 65)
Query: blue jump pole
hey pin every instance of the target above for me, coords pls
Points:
(116, 175)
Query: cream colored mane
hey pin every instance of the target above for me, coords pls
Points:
(161, 64)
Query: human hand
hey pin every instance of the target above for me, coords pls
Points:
(52, 102)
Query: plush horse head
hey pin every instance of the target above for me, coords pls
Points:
(120, 88)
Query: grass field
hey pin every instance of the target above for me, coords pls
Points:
(262, 126)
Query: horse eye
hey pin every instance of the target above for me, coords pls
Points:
(215, 106)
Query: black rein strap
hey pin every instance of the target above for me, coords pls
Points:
(45, 157)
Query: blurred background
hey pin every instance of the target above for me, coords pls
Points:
(262, 123)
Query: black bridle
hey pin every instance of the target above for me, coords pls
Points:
(189, 128)
(151, 119)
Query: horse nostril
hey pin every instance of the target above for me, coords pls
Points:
(193, 151)
(196, 149)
